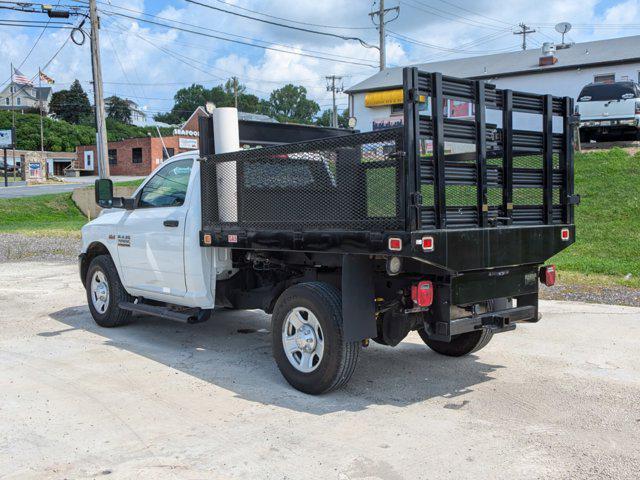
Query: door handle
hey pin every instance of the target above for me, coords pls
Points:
(170, 223)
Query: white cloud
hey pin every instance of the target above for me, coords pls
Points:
(481, 26)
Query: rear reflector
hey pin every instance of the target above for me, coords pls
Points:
(206, 239)
(565, 234)
(395, 244)
(422, 293)
(427, 244)
(548, 275)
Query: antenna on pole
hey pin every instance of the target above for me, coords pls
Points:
(380, 25)
(563, 28)
(524, 31)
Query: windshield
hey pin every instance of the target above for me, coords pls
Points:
(608, 91)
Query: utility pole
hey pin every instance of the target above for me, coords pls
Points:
(13, 128)
(333, 88)
(524, 31)
(381, 23)
(98, 94)
(235, 91)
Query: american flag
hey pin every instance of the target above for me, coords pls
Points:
(20, 79)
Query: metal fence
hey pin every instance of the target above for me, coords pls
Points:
(351, 183)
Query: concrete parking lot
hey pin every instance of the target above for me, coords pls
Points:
(555, 400)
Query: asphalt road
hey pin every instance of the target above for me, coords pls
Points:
(25, 191)
(67, 186)
(554, 400)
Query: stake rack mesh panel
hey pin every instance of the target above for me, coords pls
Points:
(350, 183)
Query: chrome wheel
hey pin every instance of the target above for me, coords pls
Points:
(100, 292)
(303, 339)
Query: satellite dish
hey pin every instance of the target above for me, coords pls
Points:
(563, 28)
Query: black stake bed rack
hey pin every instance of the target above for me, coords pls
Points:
(505, 200)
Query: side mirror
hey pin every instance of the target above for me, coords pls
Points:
(105, 198)
(104, 193)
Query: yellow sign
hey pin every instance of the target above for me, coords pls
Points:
(387, 97)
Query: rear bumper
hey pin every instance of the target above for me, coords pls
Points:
(499, 321)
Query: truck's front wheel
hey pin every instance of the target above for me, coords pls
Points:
(308, 342)
(105, 292)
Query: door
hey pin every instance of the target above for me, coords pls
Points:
(151, 237)
(88, 160)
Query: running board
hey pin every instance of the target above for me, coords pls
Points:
(164, 312)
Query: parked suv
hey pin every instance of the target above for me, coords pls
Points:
(609, 110)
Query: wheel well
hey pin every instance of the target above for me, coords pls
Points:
(94, 250)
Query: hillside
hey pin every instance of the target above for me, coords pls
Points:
(608, 218)
(61, 136)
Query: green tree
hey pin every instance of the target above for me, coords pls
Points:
(290, 104)
(71, 105)
(186, 100)
(118, 109)
(324, 120)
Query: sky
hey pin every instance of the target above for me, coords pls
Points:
(148, 62)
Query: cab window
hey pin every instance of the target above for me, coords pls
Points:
(168, 186)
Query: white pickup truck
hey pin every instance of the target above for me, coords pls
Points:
(339, 238)
(609, 110)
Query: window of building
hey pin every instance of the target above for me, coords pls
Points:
(604, 78)
(397, 109)
(7, 101)
(168, 153)
(168, 187)
(18, 101)
(113, 157)
(136, 155)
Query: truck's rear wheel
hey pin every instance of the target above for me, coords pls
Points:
(308, 342)
(459, 345)
(105, 292)
(469, 342)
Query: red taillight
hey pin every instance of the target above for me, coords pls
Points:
(422, 293)
(565, 234)
(637, 108)
(427, 244)
(548, 275)
(395, 244)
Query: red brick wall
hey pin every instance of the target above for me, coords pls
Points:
(152, 150)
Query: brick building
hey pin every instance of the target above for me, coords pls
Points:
(140, 156)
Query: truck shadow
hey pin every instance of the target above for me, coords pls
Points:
(233, 351)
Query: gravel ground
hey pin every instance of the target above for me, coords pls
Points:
(16, 247)
(156, 399)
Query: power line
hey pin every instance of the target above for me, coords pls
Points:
(300, 53)
(492, 36)
(460, 7)
(283, 25)
(290, 20)
(447, 15)
(139, 12)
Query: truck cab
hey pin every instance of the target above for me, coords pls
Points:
(352, 237)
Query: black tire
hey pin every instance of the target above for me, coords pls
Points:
(465, 343)
(113, 315)
(339, 357)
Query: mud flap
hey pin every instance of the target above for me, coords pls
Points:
(358, 301)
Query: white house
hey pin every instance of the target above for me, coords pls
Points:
(376, 102)
(24, 97)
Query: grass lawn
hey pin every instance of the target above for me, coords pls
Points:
(54, 214)
(608, 218)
